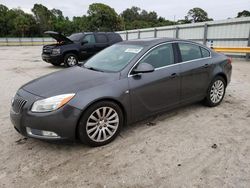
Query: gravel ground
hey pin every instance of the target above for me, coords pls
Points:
(193, 146)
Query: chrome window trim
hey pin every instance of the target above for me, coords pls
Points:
(159, 68)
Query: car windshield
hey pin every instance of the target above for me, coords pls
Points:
(76, 36)
(113, 58)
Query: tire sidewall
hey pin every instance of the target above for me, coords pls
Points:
(66, 59)
(208, 98)
(81, 130)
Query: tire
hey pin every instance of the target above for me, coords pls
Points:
(216, 92)
(70, 60)
(93, 128)
(56, 64)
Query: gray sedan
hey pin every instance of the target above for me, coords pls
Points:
(122, 84)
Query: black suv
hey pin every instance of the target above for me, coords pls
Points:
(78, 46)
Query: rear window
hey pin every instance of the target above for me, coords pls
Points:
(114, 37)
(189, 51)
(205, 52)
(101, 38)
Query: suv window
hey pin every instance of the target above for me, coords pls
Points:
(101, 38)
(189, 51)
(160, 56)
(90, 38)
(205, 52)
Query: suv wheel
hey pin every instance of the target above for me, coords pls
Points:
(70, 60)
(100, 123)
(216, 92)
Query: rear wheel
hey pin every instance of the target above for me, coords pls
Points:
(216, 92)
(100, 123)
(70, 60)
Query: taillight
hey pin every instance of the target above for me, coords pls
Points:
(229, 60)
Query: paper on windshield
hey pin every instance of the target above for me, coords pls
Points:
(133, 50)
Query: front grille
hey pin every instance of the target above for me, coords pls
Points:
(46, 50)
(18, 104)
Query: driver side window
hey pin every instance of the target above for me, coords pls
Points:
(160, 56)
(90, 38)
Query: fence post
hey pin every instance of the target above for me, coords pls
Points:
(205, 34)
(139, 34)
(32, 41)
(20, 43)
(7, 42)
(177, 32)
(155, 33)
(126, 35)
(248, 44)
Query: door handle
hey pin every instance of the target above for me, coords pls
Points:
(205, 66)
(173, 75)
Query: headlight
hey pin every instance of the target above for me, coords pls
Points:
(56, 51)
(51, 103)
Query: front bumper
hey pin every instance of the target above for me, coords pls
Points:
(63, 121)
(52, 58)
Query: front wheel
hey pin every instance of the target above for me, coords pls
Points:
(100, 123)
(216, 92)
(70, 60)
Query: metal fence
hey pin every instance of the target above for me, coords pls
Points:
(226, 33)
(27, 41)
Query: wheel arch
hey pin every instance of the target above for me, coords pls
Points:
(71, 51)
(124, 112)
(223, 75)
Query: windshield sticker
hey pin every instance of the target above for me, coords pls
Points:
(133, 50)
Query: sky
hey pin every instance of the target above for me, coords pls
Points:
(170, 9)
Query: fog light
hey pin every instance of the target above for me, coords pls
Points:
(49, 133)
(41, 133)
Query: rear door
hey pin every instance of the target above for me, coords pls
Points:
(158, 90)
(101, 41)
(87, 49)
(195, 67)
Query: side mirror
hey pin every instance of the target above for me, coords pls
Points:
(84, 42)
(143, 68)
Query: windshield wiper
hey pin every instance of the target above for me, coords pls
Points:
(94, 69)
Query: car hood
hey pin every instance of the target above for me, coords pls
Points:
(58, 37)
(70, 80)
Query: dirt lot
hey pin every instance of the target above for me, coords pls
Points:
(176, 151)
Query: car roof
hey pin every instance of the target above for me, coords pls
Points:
(96, 33)
(154, 41)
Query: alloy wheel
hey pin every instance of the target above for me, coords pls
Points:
(71, 61)
(217, 91)
(102, 124)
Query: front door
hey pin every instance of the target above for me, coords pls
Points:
(87, 49)
(158, 90)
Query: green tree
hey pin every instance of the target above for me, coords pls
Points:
(3, 20)
(44, 17)
(80, 24)
(197, 15)
(244, 13)
(101, 17)
(23, 23)
(135, 18)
